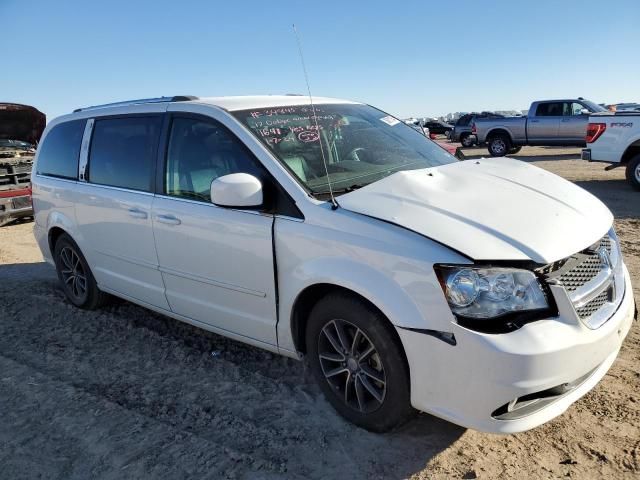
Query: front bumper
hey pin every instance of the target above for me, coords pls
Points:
(13, 208)
(469, 382)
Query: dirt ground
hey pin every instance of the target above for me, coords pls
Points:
(125, 393)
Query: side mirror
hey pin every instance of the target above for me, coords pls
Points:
(238, 190)
(584, 111)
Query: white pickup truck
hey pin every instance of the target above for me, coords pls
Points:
(615, 139)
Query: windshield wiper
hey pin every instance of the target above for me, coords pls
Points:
(351, 188)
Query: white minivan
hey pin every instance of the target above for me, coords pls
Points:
(490, 293)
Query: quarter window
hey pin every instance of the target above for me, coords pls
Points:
(123, 150)
(60, 150)
(201, 151)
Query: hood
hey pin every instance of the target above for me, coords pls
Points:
(488, 209)
(21, 122)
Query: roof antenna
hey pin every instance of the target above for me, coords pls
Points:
(334, 204)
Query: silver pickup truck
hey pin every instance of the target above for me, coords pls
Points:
(549, 122)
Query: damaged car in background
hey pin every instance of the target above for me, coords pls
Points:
(20, 129)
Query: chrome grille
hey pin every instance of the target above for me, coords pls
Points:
(594, 305)
(587, 269)
(593, 280)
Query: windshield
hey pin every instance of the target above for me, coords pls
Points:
(360, 144)
(15, 144)
(594, 107)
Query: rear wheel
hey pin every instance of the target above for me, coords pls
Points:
(499, 145)
(467, 140)
(74, 274)
(633, 172)
(358, 362)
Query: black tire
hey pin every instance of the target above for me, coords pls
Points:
(467, 140)
(633, 172)
(499, 145)
(72, 267)
(514, 150)
(378, 397)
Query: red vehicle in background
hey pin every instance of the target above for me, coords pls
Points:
(20, 129)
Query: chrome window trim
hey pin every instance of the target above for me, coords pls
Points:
(84, 149)
(51, 177)
(213, 205)
(119, 189)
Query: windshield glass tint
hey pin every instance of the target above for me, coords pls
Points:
(360, 143)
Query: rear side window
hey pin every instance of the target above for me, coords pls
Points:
(123, 152)
(551, 109)
(60, 150)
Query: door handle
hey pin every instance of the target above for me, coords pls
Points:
(534, 121)
(137, 213)
(168, 219)
(564, 120)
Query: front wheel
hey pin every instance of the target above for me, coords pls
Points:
(633, 172)
(499, 146)
(358, 361)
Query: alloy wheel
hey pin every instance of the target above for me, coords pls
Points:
(73, 274)
(352, 366)
(498, 146)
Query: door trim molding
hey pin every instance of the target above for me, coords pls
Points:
(211, 281)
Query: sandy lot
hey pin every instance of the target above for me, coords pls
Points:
(125, 393)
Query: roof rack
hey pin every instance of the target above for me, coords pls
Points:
(175, 98)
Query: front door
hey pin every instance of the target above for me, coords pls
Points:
(573, 126)
(542, 129)
(216, 262)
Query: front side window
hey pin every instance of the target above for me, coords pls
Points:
(199, 152)
(60, 150)
(123, 150)
(361, 144)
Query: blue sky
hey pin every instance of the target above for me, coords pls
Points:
(406, 57)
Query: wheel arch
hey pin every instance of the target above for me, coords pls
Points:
(632, 150)
(391, 302)
(312, 294)
(491, 134)
(53, 236)
(57, 224)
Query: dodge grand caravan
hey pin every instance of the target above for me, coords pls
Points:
(490, 293)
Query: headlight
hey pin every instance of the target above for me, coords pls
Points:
(485, 293)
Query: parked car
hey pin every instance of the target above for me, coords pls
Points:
(549, 122)
(20, 129)
(615, 138)
(338, 234)
(437, 127)
(418, 126)
(462, 129)
(627, 107)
